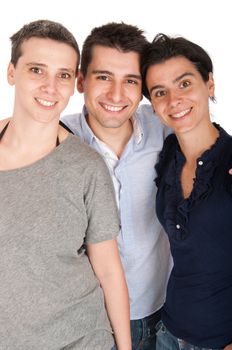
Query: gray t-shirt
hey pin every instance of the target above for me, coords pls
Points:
(49, 295)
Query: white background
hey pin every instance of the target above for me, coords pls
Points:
(207, 22)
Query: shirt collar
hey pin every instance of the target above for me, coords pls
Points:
(88, 134)
(137, 129)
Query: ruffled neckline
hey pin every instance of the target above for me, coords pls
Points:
(169, 171)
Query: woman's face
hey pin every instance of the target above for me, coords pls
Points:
(44, 79)
(179, 95)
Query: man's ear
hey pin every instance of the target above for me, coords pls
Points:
(11, 74)
(80, 82)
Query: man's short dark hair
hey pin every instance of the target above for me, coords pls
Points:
(41, 29)
(164, 47)
(120, 36)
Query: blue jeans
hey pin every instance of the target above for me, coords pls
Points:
(143, 332)
(167, 341)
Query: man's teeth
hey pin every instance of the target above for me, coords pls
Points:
(45, 103)
(181, 114)
(112, 108)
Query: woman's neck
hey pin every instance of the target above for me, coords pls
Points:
(22, 145)
(194, 143)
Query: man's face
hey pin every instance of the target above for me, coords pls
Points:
(112, 88)
(44, 79)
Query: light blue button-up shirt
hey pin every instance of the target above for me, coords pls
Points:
(143, 245)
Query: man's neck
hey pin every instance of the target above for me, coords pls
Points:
(115, 138)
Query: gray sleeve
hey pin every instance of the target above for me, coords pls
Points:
(101, 208)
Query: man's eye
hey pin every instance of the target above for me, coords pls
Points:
(131, 81)
(103, 77)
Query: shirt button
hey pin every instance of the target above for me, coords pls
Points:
(178, 226)
(200, 162)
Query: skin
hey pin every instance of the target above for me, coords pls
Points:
(44, 80)
(106, 264)
(112, 92)
(179, 95)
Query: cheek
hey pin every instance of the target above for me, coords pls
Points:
(133, 94)
(68, 90)
(93, 90)
(158, 107)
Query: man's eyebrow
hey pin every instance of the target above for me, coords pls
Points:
(130, 75)
(135, 76)
(155, 87)
(70, 70)
(98, 71)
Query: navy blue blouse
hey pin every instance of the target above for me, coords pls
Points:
(198, 305)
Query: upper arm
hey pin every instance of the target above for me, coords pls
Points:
(101, 207)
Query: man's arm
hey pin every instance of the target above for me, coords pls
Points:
(106, 263)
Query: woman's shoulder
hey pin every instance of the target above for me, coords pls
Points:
(79, 151)
(169, 147)
(3, 123)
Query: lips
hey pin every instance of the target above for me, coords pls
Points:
(181, 114)
(112, 108)
(45, 103)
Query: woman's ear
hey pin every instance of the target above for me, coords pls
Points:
(211, 86)
(11, 74)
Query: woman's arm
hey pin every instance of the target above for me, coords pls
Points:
(106, 263)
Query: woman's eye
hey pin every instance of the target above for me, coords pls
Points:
(36, 70)
(185, 84)
(159, 93)
(65, 75)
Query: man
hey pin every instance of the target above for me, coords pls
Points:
(50, 297)
(130, 142)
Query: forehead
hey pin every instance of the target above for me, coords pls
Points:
(48, 51)
(106, 58)
(171, 69)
